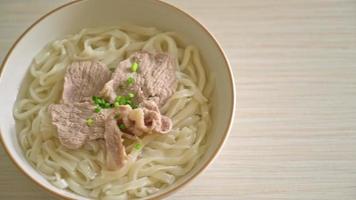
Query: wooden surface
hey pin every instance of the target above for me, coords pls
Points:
(294, 135)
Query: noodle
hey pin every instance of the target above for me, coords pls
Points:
(162, 159)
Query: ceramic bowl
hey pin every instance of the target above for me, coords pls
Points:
(71, 18)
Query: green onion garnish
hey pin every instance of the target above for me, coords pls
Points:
(90, 121)
(101, 103)
(119, 100)
(130, 81)
(95, 99)
(131, 95)
(97, 109)
(124, 100)
(122, 126)
(134, 67)
(116, 104)
(138, 146)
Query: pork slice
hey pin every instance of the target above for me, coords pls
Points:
(155, 79)
(144, 119)
(74, 131)
(71, 123)
(115, 150)
(154, 119)
(83, 80)
(164, 124)
(149, 105)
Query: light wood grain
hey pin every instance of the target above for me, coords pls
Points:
(294, 135)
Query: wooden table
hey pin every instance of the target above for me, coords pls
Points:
(294, 135)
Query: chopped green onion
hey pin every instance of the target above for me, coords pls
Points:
(130, 81)
(124, 100)
(97, 109)
(90, 121)
(131, 95)
(128, 102)
(138, 146)
(101, 103)
(118, 98)
(116, 104)
(122, 126)
(134, 67)
(95, 99)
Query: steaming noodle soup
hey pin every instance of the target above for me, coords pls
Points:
(152, 160)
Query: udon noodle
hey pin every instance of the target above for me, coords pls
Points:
(163, 158)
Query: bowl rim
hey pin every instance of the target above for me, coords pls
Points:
(209, 161)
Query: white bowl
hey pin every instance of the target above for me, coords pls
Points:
(74, 16)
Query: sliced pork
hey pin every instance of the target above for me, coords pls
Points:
(154, 80)
(144, 120)
(71, 123)
(84, 79)
(80, 117)
(163, 124)
(115, 150)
